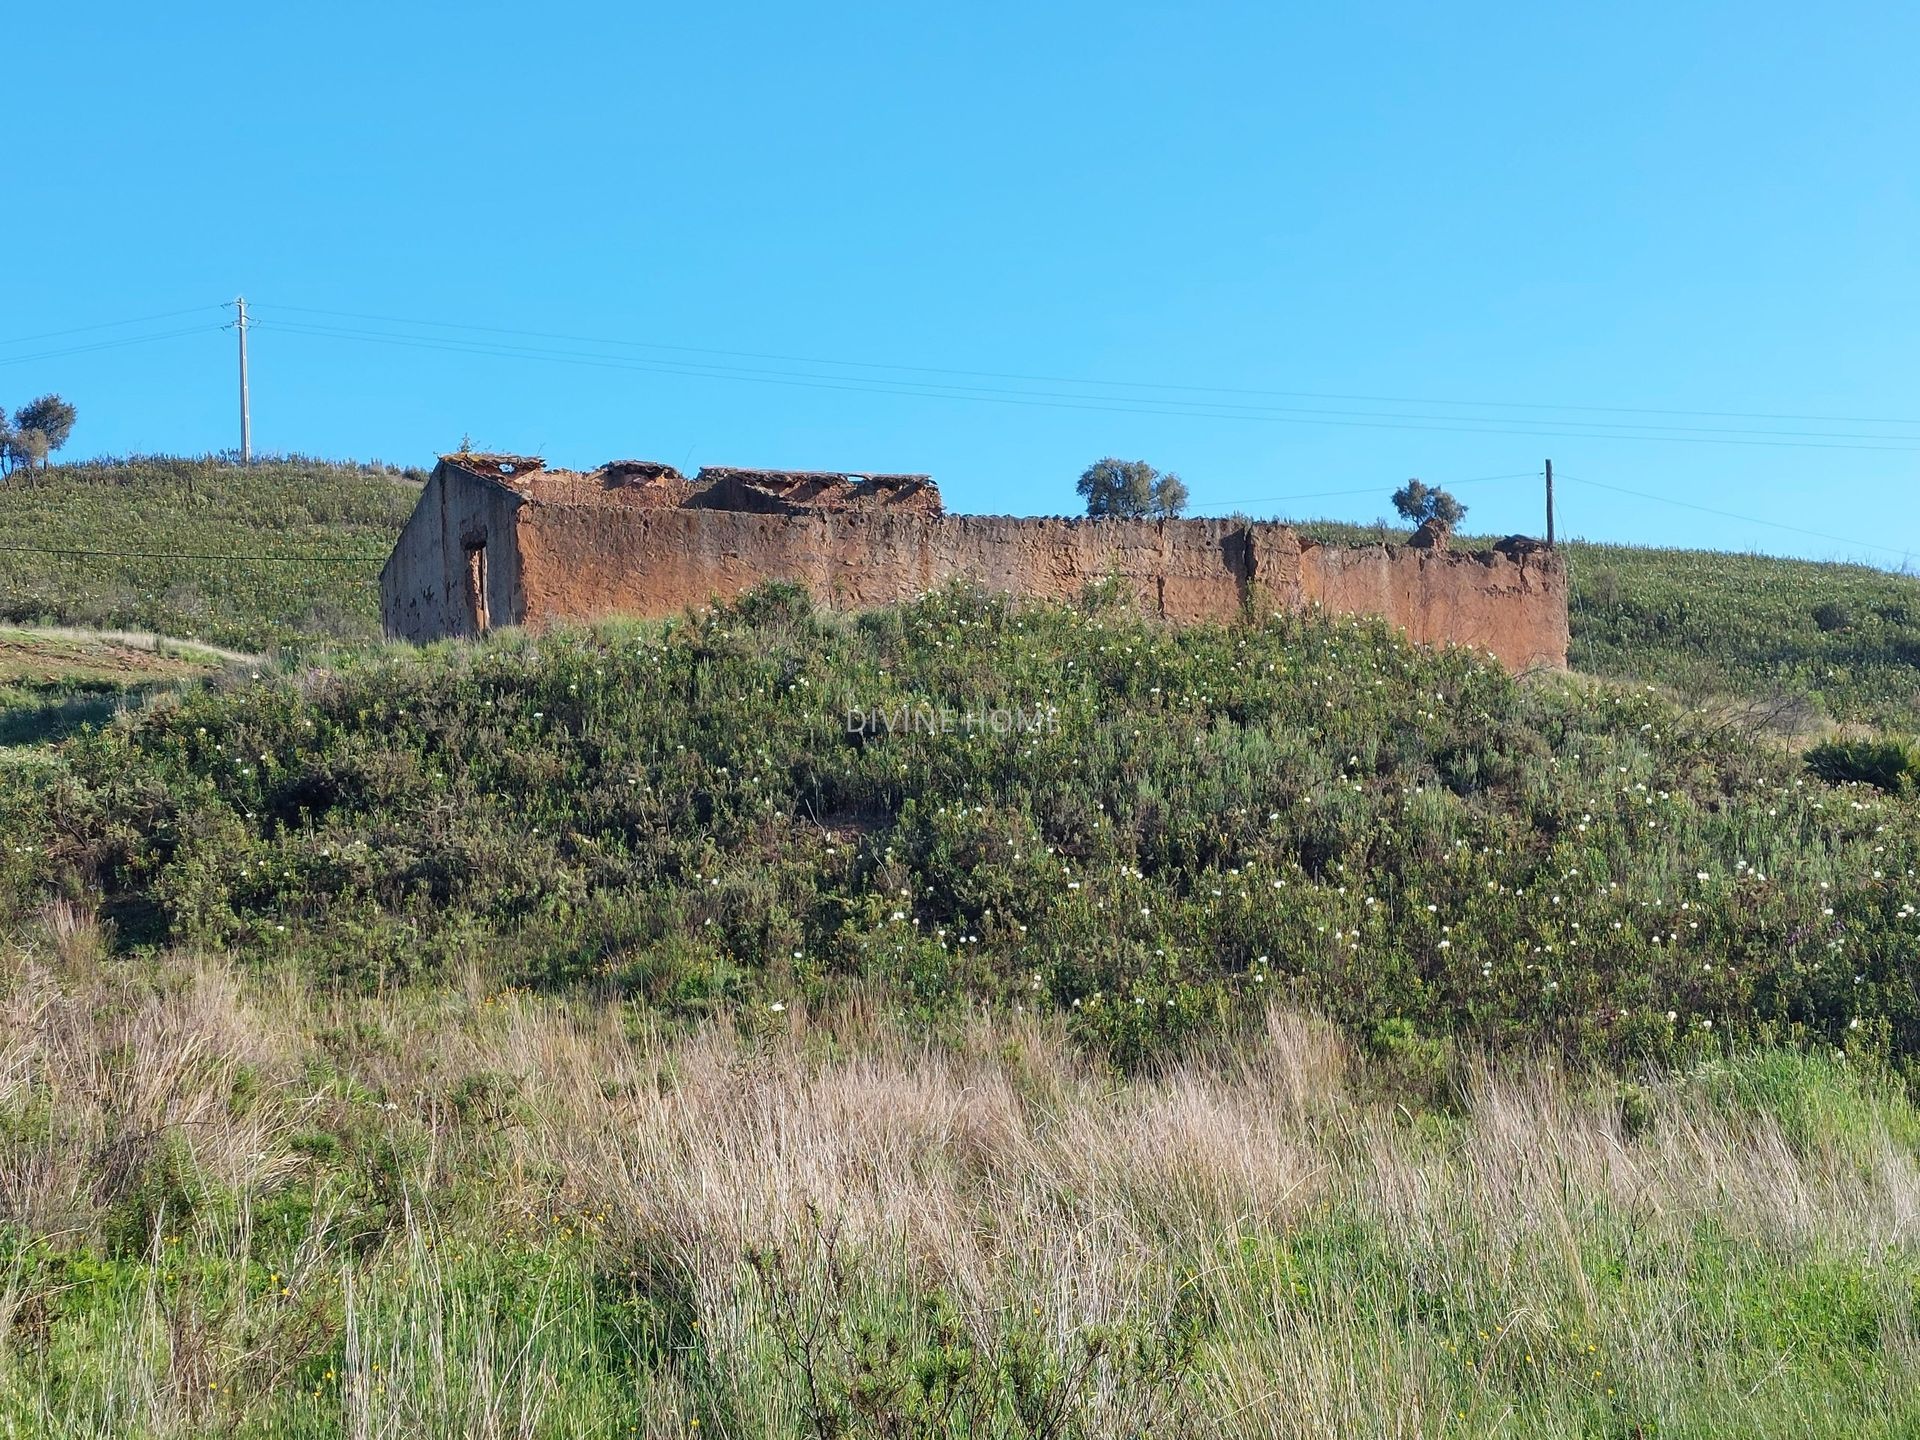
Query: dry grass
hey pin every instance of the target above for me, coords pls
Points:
(1526, 1264)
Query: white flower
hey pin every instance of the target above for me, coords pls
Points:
(776, 1007)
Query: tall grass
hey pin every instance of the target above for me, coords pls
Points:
(232, 1203)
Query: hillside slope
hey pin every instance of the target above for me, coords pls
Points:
(202, 549)
(1822, 640)
(1844, 640)
(1063, 809)
(596, 1033)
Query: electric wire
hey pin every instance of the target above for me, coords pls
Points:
(108, 345)
(1058, 401)
(1109, 384)
(1735, 515)
(1366, 490)
(110, 324)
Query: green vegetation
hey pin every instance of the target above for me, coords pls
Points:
(1418, 502)
(238, 1205)
(54, 683)
(1412, 843)
(37, 429)
(1839, 641)
(202, 549)
(966, 1018)
(1892, 765)
(1131, 488)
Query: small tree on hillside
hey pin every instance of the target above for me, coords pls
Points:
(51, 418)
(6, 441)
(1419, 503)
(1131, 489)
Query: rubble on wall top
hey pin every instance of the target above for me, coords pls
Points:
(495, 467)
(627, 472)
(726, 487)
(1522, 545)
(654, 483)
(788, 479)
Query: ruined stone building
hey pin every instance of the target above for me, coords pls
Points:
(503, 540)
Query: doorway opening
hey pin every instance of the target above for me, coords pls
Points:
(477, 617)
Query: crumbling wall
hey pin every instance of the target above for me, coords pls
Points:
(425, 587)
(1512, 601)
(580, 565)
(560, 547)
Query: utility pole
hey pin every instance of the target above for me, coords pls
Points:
(1549, 479)
(246, 419)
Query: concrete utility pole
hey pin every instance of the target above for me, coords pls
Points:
(246, 419)
(1549, 489)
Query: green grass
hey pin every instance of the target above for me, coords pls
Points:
(1842, 639)
(55, 684)
(242, 530)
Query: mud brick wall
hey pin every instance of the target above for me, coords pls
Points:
(550, 561)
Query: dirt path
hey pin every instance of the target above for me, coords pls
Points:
(136, 640)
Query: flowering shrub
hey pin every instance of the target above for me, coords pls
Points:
(1220, 816)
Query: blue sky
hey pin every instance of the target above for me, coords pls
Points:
(1476, 216)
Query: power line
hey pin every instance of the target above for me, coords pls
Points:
(1052, 400)
(186, 555)
(1208, 408)
(1368, 490)
(1109, 384)
(104, 345)
(1734, 515)
(107, 325)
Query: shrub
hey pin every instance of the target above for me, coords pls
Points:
(1892, 765)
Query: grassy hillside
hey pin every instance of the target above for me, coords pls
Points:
(1412, 843)
(53, 682)
(202, 549)
(1843, 640)
(1811, 641)
(1266, 1031)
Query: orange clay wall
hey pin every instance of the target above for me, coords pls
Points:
(579, 562)
(1514, 604)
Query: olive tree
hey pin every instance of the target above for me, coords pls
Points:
(1131, 489)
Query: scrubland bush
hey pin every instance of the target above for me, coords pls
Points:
(1410, 842)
